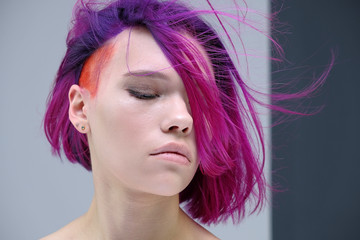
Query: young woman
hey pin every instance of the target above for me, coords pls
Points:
(148, 99)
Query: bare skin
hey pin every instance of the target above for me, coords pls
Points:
(136, 193)
(142, 223)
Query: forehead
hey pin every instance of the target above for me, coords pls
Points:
(136, 49)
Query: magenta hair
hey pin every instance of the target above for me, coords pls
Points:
(231, 170)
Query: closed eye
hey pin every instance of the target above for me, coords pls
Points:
(143, 95)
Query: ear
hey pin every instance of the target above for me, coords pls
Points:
(78, 104)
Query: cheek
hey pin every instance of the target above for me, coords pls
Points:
(121, 131)
(121, 124)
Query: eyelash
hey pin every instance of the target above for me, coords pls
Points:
(142, 96)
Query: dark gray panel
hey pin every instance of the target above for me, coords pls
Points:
(316, 159)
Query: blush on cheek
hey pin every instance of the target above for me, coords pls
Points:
(92, 67)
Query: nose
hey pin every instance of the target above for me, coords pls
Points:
(177, 117)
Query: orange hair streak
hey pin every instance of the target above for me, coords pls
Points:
(90, 74)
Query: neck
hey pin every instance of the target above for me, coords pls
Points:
(116, 214)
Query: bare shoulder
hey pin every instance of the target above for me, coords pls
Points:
(197, 231)
(204, 234)
(63, 233)
(55, 236)
(69, 232)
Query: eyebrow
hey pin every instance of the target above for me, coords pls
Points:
(146, 74)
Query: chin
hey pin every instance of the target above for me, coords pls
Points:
(168, 188)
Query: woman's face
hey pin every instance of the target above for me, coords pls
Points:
(141, 134)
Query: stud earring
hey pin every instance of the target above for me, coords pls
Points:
(83, 128)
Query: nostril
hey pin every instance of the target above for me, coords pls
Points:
(172, 128)
(178, 129)
(185, 130)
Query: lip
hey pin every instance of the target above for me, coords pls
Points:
(173, 148)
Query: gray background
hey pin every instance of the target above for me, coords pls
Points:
(40, 193)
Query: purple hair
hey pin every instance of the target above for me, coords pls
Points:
(231, 169)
